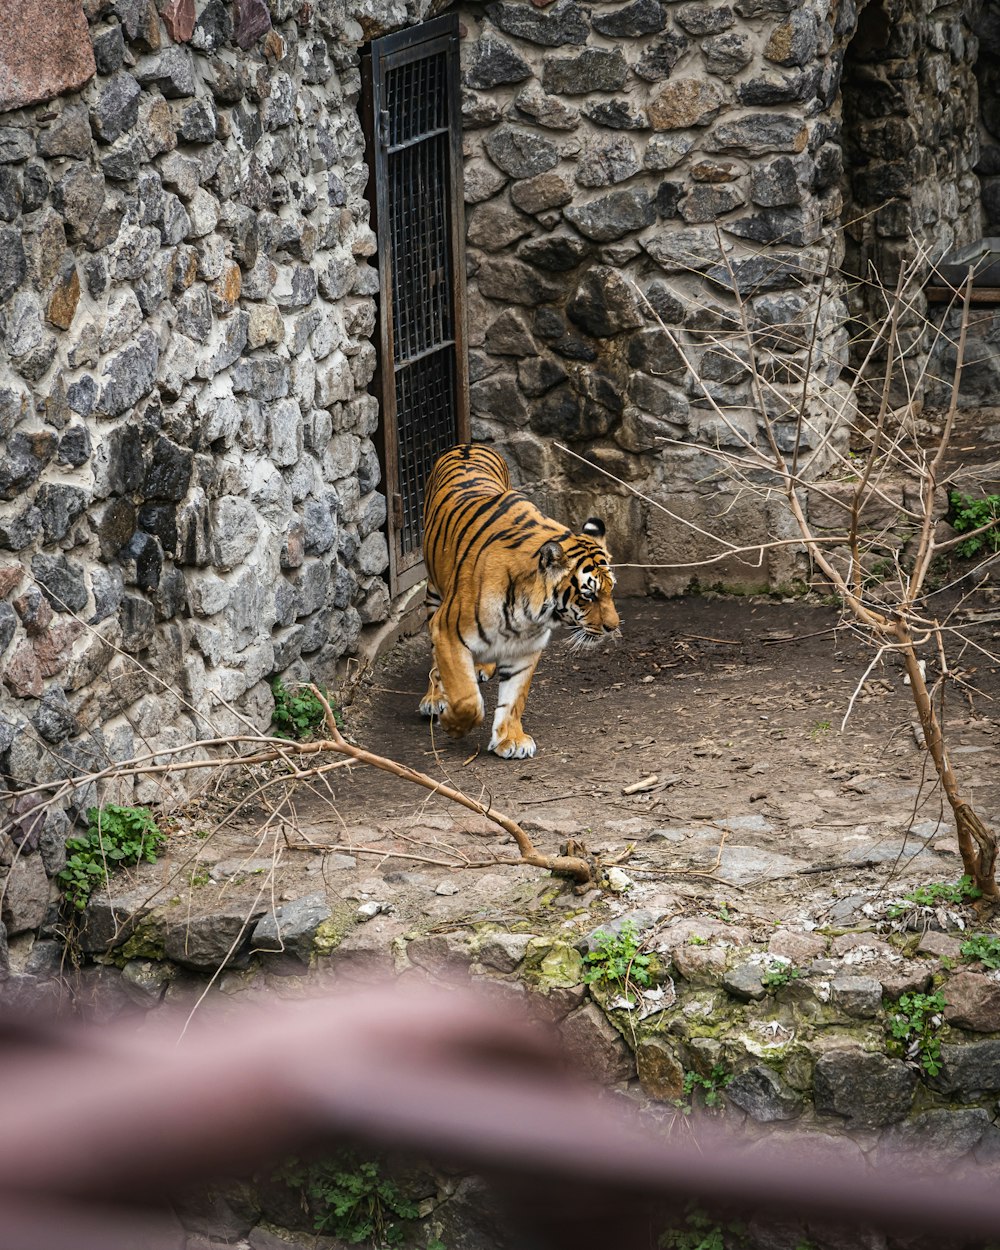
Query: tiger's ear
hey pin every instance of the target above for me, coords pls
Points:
(551, 556)
(594, 526)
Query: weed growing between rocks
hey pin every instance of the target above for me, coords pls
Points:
(925, 902)
(116, 837)
(979, 515)
(618, 960)
(299, 713)
(709, 1089)
(914, 1025)
(982, 948)
(353, 1199)
(778, 974)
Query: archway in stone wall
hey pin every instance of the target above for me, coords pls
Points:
(986, 25)
(909, 136)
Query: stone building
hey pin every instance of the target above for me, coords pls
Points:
(191, 496)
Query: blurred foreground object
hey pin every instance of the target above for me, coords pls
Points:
(99, 1127)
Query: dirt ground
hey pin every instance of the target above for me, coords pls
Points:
(710, 739)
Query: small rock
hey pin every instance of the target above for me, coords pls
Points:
(763, 1095)
(869, 1090)
(661, 1073)
(595, 1047)
(290, 928)
(503, 951)
(448, 887)
(860, 997)
(973, 1001)
(934, 942)
(744, 982)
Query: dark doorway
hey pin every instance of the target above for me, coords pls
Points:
(412, 117)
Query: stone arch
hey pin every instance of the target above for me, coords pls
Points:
(909, 110)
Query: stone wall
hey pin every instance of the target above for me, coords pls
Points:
(629, 163)
(189, 494)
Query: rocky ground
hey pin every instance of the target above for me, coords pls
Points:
(711, 739)
(710, 750)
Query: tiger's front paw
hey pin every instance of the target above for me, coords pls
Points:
(513, 747)
(431, 707)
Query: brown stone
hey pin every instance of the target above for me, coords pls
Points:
(714, 171)
(45, 50)
(845, 942)
(10, 577)
(936, 943)
(905, 977)
(142, 25)
(661, 1073)
(52, 650)
(973, 1001)
(265, 325)
(64, 300)
(183, 269)
(704, 927)
(538, 194)
(22, 675)
(800, 947)
(701, 965)
(225, 290)
(684, 102)
(494, 226)
(178, 17)
(273, 47)
(35, 612)
(156, 125)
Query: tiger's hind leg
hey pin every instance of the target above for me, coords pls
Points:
(509, 740)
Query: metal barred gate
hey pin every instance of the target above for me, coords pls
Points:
(412, 116)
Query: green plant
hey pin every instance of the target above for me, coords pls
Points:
(934, 895)
(819, 729)
(711, 1086)
(914, 1027)
(351, 1199)
(968, 513)
(116, 837)
(779, 973)
(617, 960)
(984, 947)
(700, 1232)
(298, 713)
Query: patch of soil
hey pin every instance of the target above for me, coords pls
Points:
(710, 739)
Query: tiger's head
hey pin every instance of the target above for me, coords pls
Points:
(582, 584)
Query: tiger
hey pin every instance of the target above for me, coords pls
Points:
(500, 575)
